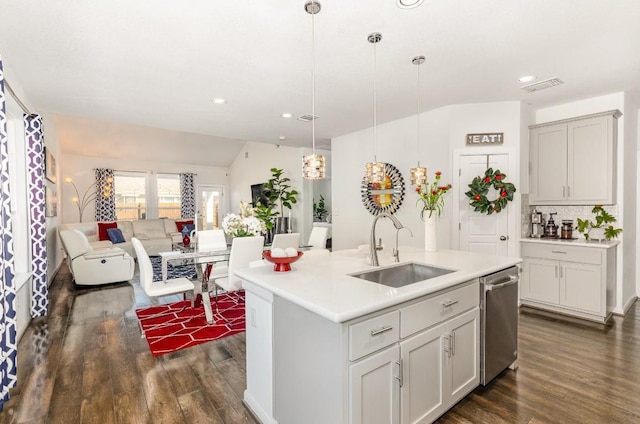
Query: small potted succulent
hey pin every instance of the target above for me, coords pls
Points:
(598, 229)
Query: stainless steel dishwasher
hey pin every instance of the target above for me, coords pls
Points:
(498, 323)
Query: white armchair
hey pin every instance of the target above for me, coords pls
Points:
(95, 266)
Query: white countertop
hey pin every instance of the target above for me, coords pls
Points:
(604, 244)
(322, 285)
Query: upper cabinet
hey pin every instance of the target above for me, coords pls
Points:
(573, 160)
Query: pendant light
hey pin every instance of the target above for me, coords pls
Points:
(374, 170)
(418, 174)
(313, 166)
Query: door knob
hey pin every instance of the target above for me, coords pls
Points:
(503, 238)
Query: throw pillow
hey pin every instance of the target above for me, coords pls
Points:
(115, 235)
(102, 229)
(187, 228)
(180, 224)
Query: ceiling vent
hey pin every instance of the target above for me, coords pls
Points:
(541, 85)
(307, 117)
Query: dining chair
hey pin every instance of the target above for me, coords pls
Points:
(283, 241)
(157, 288)
(211, 240)
(318, 237)
(244, 252)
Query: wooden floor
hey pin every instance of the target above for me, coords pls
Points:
(86, 363)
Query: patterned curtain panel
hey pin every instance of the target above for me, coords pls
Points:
(8, 347)
(187, 196)
(37, 225)
(105, 198)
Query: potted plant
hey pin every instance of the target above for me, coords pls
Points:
(319, 210)
(280, 194)
(598, 229)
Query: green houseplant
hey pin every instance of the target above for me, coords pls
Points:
(280, 195)
(589, 227)
(319, 209)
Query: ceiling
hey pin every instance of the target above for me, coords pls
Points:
(160, 64)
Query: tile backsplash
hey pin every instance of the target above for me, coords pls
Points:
(563, 212)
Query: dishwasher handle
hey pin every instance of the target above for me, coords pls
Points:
(512, 280)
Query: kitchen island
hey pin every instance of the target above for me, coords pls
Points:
(326, 347)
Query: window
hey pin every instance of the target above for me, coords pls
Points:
(130, 192)
(168, 189)
(141, 195)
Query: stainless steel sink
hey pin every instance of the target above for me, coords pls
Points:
(402, 275)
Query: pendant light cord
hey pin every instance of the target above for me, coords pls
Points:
(313, 82)
(418, 119)
(375, 103)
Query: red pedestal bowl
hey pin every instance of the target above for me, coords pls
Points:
(281, 264)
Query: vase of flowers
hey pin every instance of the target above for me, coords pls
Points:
(431, 200)
(243, 225)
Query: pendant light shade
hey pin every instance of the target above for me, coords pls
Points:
(418, 174)
(374, 171)
(313, 166)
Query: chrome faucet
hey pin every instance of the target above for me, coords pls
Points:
(373, 252)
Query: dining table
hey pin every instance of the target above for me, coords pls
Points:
(197, 258)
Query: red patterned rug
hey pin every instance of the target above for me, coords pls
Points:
(174, 326)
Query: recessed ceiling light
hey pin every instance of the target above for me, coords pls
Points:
(282, 138)
(286, 115)
(408, 4)
(527, 78)
(219, 101)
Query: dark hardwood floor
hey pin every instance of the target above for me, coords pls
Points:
(86, 363)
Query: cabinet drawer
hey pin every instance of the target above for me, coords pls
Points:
(433, 310)
(586, 255)
(373, 334)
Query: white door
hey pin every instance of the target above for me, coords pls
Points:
(209, 207)
(480, 232)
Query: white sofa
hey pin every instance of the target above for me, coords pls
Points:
(156, 235)
(91, 266)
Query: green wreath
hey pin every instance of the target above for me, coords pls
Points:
(479, 188)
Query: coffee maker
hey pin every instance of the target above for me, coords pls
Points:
(537, 224)
(550, 228)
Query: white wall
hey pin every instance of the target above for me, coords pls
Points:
(252, 166)
(442, 131)
(626, 190)
(81, 170)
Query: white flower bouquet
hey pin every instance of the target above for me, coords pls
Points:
(243, 225)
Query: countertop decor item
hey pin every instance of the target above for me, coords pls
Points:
(432, 196)
(281, 264)
(479, 188)
(598, 230)
(246, 224)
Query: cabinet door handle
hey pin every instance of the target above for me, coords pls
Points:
(560, 271)
(448, 303)
(563, 191)
(381, 330)
(568, 191)
(556, 267)
(399, 376)
(448, 346)
(559, 251)
(453, 344)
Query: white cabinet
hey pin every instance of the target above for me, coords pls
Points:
(439, 367)
(573, 161)
(374, 388)
(408, 363)
(574, 280)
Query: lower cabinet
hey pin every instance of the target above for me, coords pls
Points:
(439, 367)
(574, 280)
(408, 363)
(418, 379)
